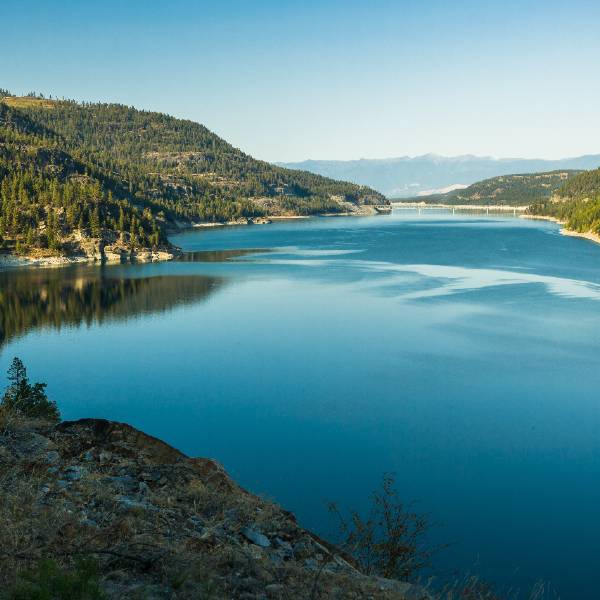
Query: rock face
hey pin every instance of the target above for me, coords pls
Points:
(110, 248)
(160, 524)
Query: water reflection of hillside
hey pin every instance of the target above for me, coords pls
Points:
(32, 299)
(219, 255)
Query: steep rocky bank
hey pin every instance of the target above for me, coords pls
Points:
(109, 247)
(158, 523)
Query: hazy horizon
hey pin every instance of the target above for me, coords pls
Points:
(288, 81)
(442, 156)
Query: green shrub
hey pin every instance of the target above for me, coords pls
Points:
(47, 581)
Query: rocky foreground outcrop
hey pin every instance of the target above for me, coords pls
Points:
(158, 523)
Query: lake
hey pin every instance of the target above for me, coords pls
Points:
(311, 356)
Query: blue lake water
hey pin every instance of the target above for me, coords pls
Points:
(460, 352)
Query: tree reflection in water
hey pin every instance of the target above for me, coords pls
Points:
(38, 298)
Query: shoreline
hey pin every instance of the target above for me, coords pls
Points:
(542, 218)
(588, 235)
(363, 211)
(287, 217)
(12, 260)
(250, 221)
(8, 260)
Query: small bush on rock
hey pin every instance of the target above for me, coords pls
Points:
(389, 541)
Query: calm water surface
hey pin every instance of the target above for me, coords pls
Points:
(460, 352)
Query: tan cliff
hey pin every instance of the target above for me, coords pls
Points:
(108, 247)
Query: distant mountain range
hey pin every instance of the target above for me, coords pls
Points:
(407, 177)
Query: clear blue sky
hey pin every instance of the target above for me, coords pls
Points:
(328, 79)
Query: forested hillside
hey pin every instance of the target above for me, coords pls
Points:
(576, 203)
(511, 190)
(46, 194)
(71, 169)
(585, 185)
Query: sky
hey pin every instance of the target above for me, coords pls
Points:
(288, 81)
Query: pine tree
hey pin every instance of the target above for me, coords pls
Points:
(121, 221)
(26, 399)
(95, 222)
(132, 236)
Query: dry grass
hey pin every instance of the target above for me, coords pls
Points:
(472, 587)
(28, 102)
